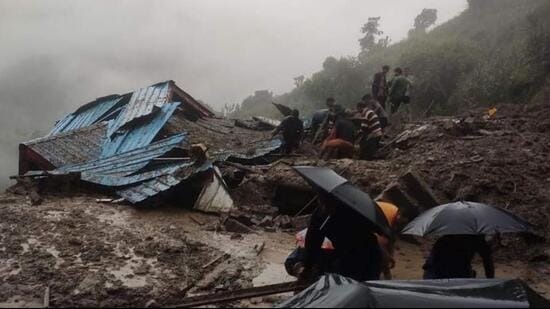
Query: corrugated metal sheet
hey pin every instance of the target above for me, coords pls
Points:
(118, 181)
(260, 149)
(143, 103)
(252, 152)
(214, 196)
(86, 115)
(139, 136)
(148, 189)
(73, 147)
(126, 163)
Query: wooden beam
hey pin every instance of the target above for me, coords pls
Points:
(203, 300)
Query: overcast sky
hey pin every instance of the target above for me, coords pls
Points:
(218, 50)
(58, 54)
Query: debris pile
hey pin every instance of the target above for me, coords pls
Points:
(138, 145)
(158, 146)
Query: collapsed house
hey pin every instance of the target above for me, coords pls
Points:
(138, 146)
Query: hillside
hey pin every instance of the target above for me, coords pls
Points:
(494, 52)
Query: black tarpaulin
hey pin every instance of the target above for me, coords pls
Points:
(339, 292)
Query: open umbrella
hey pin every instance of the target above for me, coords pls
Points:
(465, 218)
(326, 180)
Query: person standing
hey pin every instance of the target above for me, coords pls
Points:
(398, 90)
(380, 86)
(292, 129)
(356, 248)
(451, 257)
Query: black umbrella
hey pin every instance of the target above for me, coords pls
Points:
(465, 218)
(326, 180)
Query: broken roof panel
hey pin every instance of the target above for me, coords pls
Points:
(139, 136)
(73, 147)
(148, 189)
(214, 197)
(120, 181)
(143, 103)
(129, 162)
(86, 115)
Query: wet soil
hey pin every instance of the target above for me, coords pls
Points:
(92, 254)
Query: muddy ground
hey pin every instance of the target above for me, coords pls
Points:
(91, 254)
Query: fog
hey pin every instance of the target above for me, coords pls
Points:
(57, 55)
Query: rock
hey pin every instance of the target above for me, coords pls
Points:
(301, 222)
(283, 222)
(36, 199)
(75, 242)
(236, 236)
(266, 221)
(8, 200)
(152, 304)
(234, 226)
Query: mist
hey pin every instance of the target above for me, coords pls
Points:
(58, 55)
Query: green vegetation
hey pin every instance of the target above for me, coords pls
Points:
(496, 51)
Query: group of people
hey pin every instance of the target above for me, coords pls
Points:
(339, 131)
(396, 91)
(339, 241)
(354, 250)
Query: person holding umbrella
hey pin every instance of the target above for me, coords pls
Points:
(462, 227)
(349, 218)
(357, 252)
(452, 255)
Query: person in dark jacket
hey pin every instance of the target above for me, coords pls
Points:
(356, 247)
(451, 257)
(398, 90)
(292, 129)
(380, 86)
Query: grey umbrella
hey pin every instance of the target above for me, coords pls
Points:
(326, 180)
(466, 218)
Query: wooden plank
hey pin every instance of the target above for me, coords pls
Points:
(203, 300)
(419, 190)
(214, 261)
(400, 199)
(47, 297)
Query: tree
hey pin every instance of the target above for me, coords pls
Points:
(423, 21)
(371, 31)
(299, 81)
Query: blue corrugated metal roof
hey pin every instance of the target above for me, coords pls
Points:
(118, 181)
(138, 136)
(129, 162)
(85, 116)
(142, 104)
(145, 190)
